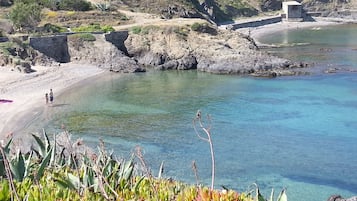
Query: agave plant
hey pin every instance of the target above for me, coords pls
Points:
(259, 197)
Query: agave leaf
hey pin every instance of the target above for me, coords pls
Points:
(53, 155)
(65, 184)
(28, 164)
(136, 187)
(17, 166)
(259, 196)
(271, 195)
(62, 158)
(7, 146)
(282, 196)
(128, 170)
(43, 165)
(74, 180)
(161, 169)
(47, 141)
(42, 150)
(88, 177)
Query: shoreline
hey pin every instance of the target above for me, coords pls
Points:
(258, 32)
(27, 93)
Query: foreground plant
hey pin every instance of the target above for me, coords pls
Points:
(207, 132)
(64, 170)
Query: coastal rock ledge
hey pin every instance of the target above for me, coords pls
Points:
(339, 198)
(219, 52)
(168, 48)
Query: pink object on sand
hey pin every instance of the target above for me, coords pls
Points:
(5, 101)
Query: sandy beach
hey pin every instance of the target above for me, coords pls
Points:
(22, 94)
(259, 32)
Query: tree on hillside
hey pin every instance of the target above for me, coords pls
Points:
(25, 16)
(77, 5)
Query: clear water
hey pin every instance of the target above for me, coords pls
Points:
(297, 133)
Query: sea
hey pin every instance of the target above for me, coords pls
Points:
(297, 133)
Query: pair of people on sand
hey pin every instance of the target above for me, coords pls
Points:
(50, 97)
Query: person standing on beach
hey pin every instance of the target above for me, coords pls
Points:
(51, 96)
(46, 96)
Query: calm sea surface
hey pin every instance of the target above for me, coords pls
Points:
(298, 133)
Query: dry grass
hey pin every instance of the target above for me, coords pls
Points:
(77, 18)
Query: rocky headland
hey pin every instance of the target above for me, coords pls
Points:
(201, 46)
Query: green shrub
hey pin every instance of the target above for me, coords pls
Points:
(136, 30)
(77, 5)
(83, 36)
(107, 28)
(203, 28)
(94, 28)
(51, 28)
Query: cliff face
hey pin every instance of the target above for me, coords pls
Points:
(168, 47)
(215, 51)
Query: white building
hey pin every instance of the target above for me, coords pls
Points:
(292, 10)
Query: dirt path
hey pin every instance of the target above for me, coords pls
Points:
(145, 19)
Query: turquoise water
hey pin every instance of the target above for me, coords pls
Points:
(297, 133)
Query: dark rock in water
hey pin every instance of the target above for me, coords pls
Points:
(188, 62)
(339, 198)
(170, 65)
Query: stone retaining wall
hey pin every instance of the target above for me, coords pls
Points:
(256, 23)
(55, 47)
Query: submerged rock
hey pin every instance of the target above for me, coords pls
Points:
(339, 198)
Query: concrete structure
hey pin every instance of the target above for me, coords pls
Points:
(292, 11)
(254, 23)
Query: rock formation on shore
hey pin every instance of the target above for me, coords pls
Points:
(209, 50)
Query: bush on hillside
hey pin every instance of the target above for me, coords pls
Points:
(76, 5)
(25, 16)
(52, 28)
(94, 28)
(203, 28)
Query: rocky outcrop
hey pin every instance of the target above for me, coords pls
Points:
(339, 198)
(103, 54)
(225, 52)
(167, 48)
(188, 62)
(6, 26)
(117, 38)
(178, 11)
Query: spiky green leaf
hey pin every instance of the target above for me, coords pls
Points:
(282, 196)
(42, 150)
(17, 166)
(43, 165)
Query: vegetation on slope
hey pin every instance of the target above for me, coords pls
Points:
(63, 170)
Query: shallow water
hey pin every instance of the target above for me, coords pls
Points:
(297, 133)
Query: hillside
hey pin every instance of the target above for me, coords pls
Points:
(223, 10)
(161, 34)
